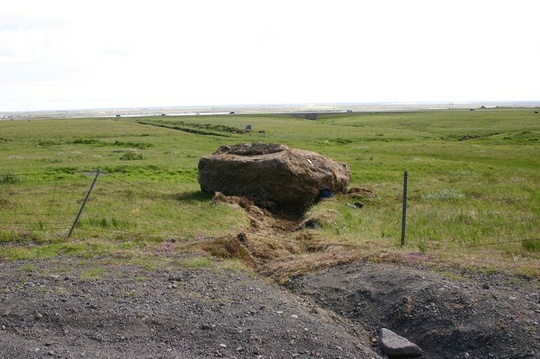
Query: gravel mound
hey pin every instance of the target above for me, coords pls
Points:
(61, 309)
(72, 308)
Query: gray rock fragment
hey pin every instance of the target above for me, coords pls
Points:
(393, 345)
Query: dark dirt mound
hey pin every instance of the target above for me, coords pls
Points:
(55, 309)
(481, 316)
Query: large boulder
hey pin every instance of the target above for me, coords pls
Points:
(274, 176)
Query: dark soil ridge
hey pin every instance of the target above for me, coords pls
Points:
(471, 316)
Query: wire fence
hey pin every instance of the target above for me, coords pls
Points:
(30, 205)
(44, 207)
(33, 207)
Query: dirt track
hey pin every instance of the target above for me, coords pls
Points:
(52, 309)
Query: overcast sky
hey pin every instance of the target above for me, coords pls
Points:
(112, 53)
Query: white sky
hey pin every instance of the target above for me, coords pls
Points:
(71, 54)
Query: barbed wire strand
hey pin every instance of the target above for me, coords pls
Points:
(68, 212)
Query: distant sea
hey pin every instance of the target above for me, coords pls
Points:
(271, 109)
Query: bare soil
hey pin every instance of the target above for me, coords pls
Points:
(51, 309)
(54, 309)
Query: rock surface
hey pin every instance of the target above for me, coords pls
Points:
(274, 176)
(394, 345)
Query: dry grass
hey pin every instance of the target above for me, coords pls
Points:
(274, 252)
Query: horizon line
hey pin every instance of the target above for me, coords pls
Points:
(331, 106)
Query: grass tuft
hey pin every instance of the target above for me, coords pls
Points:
(9, 178)
(92, 274)
(445, 194)
(131, 156)
(531, 245)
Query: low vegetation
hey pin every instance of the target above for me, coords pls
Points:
(473, 203)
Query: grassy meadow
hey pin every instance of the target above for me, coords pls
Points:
(473, 189)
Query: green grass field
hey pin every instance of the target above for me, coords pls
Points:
(474, 193)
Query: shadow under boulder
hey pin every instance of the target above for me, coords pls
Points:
(277, 177)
